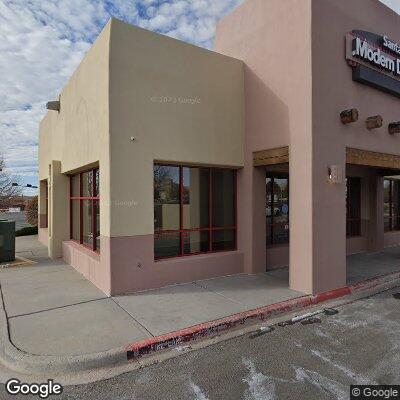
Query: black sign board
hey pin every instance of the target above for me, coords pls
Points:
(375, 60)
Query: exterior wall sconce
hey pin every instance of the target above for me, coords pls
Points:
(335, 174)
(53, 106)
(349, 116)
(374, 122)
(394, 128)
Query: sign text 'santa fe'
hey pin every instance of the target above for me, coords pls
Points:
(375, 56)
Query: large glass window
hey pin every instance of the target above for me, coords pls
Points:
(353, 206)
(85, 208)
(277, 209)
(194, 210)
(391, 211)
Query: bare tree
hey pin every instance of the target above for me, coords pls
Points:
(8, 191)
(31, 211)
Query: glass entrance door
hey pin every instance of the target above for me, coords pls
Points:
(277, 209)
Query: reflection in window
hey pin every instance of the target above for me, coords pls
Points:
(195, 198)
(166, 198)
(87, 233)
(391, 203)
(75, 220)
(85, 208)
(353, 206)
(277, 210)
(223, 191)
(167, 244)
(97, 213)
(194, 210)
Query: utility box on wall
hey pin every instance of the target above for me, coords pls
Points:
(7, 241)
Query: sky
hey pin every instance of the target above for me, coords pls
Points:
(43, 41)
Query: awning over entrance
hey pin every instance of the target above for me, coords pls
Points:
(271, 157)
(353, 156)
(372, 159)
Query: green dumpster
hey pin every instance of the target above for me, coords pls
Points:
(7, 241)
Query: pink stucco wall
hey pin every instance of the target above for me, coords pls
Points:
(134, 267)
(286, 54)
(278, 113)
(43, 236)
(93, 266)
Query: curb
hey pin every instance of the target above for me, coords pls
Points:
(212, 328)
(20, 361)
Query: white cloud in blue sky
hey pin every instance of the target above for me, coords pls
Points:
(43, 41)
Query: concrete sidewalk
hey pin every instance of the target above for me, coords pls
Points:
(54, 310)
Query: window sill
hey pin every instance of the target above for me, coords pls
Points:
(84, 248)
(189, 256)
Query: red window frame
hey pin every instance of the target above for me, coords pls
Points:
(210, 229)
(94, 200)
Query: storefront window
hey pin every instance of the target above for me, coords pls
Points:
(353, 206)
(194, 210)
(85, 208)
(277, 209)
(391, 212)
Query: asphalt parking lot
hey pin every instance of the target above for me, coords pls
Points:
(360, 345)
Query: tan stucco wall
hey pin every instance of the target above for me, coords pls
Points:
(78, 136)
(75, 139)
(144, 68)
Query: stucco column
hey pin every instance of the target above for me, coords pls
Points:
(251, 195)
(301, 218)
(317, 218)
(58, 209)
(376, 221)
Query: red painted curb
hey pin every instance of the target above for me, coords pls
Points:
(172, 339)
(213, 327)
(333, 294)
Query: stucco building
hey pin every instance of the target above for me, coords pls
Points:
(168, 163)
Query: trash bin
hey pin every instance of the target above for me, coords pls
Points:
(7, 241)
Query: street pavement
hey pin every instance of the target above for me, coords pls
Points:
(319, 361)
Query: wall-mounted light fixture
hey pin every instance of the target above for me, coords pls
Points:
(394, 127)
(349, 116)
(53, 106)
(374, 122)
(335, 174)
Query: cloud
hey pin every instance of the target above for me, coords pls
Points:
(43, 41)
